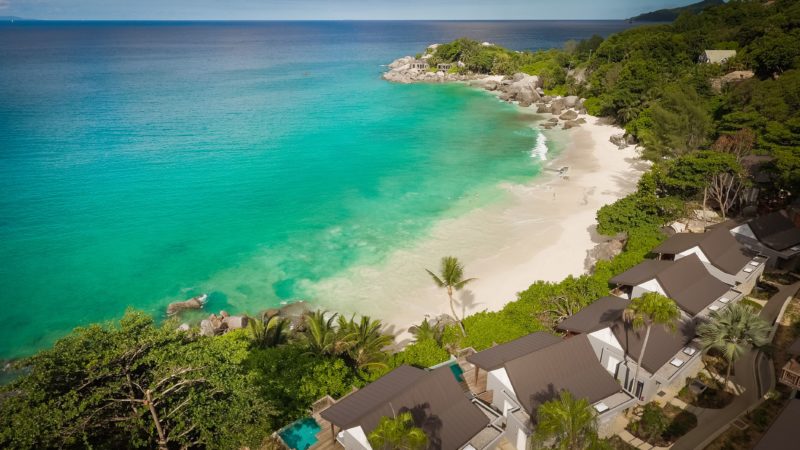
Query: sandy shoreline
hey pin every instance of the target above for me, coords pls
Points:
(541, 232)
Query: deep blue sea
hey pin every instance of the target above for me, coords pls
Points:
(146, 162)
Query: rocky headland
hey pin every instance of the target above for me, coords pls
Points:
(522, 89)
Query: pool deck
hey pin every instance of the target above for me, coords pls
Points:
(326, 440)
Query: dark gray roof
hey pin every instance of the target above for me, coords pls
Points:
(600, 314)
(691, 286)
(776, 231)
(724, 251)
(434, 398)
(678, 243)
(568, 365)
(661, 347)
(718, 244)
(794, 349)
(782, 434)
(498, 355)
(607, 312)
(646, 270)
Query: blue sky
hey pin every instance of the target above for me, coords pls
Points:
(332, 9)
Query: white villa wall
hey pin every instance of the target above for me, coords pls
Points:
(497, 381)
(694, 251)
(355, 439)
(648, 286)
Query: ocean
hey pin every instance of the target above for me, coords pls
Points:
(146, 162)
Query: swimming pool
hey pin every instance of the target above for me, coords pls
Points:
(301, 435)
(458, 372)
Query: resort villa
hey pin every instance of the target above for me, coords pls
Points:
(773, 235)
(716, 56)
(491, 401)
(529, 371)
(670, 358)
(449, 417)
(686, 280)
(720, 253)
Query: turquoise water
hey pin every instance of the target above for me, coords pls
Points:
(146, 163)
(458, 372)
(302, 434)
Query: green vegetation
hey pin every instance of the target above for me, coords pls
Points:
(733, 331)
(650, 309)
(668, 15)
(662, 426)
(134, 384)
(398, 433)
(567, 423)
(451, 277)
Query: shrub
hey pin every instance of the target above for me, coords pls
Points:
(423, 353)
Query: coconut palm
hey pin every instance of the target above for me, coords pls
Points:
(428, 331)
(320, 333)
(645, 311)
(398, 433)
(566, 423)
(733, 331)
(451, 277)
(363, 342)
(269, 331)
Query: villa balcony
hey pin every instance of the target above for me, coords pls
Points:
(790, 374)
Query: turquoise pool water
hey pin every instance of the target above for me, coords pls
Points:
(458, 372)
(302, 434)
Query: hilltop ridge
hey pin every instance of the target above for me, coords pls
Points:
(670, 14)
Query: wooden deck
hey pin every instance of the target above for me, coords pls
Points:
(326, 439)
(476, 387)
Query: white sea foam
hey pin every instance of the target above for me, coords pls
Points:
(540, 149)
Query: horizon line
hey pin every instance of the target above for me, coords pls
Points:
(26, 19)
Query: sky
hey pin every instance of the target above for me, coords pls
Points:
(331, 9)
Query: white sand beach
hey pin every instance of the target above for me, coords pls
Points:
(543, 232)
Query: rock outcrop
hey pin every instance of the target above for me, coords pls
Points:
(215, 324)
(193, 303)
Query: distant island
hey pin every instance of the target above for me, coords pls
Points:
(13, 19)
(668, 15)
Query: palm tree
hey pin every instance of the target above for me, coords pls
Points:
(320, 333)
(363, 342)
(269, 331)
(398, 433)
(427, 330)
(451, 277)
(570, 423)
(645, 311)
(733, 331)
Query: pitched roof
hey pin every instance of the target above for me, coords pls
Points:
(662, 345)
(691, 286)
(568, 365)
(498, 355)
(679, 242)
(434, 398)
(776, 231)
(782, 434)
(646, 270)
(600, 314)
(718, 244)
(607, 312)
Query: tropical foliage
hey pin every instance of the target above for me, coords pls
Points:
(732, 332)
(136, 385)
(645, 311)
(566, 423)
(398, 433)
(451, 277)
